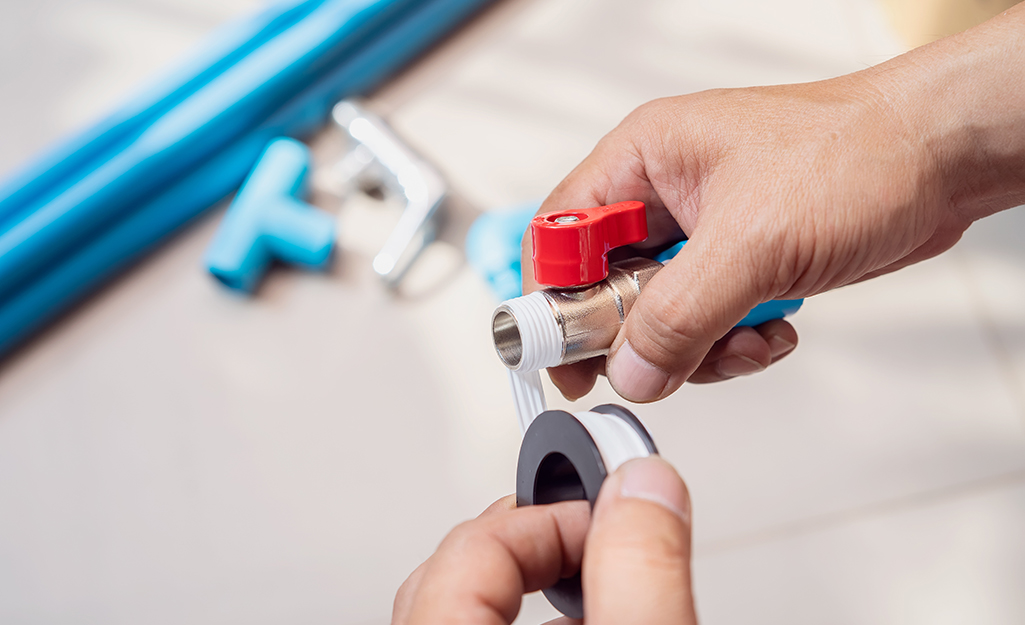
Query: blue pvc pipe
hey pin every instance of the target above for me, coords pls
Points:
(204, 123)
(60, 168)
(125, 241)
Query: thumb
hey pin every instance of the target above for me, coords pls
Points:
(636, 566)
(689, 305)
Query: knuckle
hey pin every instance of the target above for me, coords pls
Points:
(463, 536)
(649, 111)
(404, 590)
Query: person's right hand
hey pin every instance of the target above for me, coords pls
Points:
(789, 191)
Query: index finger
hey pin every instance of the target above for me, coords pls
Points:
(484, 566)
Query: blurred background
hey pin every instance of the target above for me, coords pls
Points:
(172, 452)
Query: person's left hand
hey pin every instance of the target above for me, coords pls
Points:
(635, 556)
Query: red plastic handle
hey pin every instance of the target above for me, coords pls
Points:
(571, 248)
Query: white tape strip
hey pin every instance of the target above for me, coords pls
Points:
(540, 338)
(617, 442)
(528, 396)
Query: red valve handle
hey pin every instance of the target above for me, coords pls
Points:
(571, 248)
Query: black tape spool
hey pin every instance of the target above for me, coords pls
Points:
(559, 461)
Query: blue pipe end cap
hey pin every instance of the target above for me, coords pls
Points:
(767, 311)
(267, 221)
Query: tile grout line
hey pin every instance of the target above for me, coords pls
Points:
(831, 520)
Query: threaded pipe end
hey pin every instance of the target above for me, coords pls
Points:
(527, 334)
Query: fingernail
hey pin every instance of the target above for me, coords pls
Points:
(779, 346)
(733, 366)
(635, 378)
(653, 479)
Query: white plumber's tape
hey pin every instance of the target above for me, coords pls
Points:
(528, 339)
(566, 457)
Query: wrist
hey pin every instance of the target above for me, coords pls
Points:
(961, 102)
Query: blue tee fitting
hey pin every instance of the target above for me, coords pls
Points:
(267, 221)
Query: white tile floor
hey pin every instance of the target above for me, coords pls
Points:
(171, 453)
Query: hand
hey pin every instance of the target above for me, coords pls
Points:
(789, 191)
(636, 556)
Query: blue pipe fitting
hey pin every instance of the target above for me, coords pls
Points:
(267, 221)
(493, 247)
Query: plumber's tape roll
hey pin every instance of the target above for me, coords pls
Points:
(563, 456)
(566, 457)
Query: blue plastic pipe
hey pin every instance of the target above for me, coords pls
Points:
(204, 123)
(62, 167)
(125, 241)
